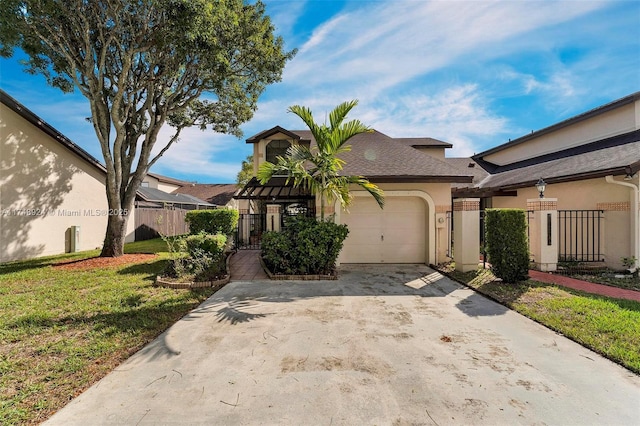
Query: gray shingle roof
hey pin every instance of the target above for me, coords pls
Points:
(215, 193)
(156, 195)
(424, 142)
(383, 158)
(612, 160)
(463, 164)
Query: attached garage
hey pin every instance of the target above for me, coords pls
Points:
(396, 234)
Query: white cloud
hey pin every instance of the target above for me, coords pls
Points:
(458, 115)
(203, 153)
(380, 46)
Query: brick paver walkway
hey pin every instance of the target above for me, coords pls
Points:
(603, 290)
(245, 266)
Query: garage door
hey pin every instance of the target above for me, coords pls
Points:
(396, 234)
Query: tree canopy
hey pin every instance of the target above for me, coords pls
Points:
(246, 172)
(144, 63)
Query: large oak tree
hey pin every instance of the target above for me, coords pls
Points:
(143, 64)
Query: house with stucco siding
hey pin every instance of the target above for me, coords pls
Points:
(591, 165)
(52, 192)
(417, 185)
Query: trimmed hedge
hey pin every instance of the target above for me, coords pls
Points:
(305, 246)
(218, 221)
(506, 243)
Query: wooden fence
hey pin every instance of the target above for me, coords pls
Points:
(150, 222)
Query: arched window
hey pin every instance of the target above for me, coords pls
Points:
(276, 148)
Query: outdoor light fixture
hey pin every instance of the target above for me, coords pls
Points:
(541, 185)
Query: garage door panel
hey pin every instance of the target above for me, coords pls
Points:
(402, 223)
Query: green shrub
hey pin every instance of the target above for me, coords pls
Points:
(305, 246)
(506, 243)
(218, 221)
(199, 257)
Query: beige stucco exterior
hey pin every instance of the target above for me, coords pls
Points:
(590, 194)
(623, 119)
(154, 182)
(45, 190)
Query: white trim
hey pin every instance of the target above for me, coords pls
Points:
(431, 221)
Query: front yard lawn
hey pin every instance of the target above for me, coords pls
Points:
(608, 326)
(62, 329)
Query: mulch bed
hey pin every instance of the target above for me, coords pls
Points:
(104, 262)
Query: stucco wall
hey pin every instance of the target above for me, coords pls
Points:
(46, 189)
(621, 120)
(589, 194)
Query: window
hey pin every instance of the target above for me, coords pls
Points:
(276, 148)
(144, 184)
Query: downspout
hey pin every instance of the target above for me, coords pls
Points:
(635, 191)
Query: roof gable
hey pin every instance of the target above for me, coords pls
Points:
(270, 132)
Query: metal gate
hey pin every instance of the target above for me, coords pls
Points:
(250, 230)
(580, 234)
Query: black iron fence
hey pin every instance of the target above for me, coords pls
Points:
(250, 230)
(580, 233)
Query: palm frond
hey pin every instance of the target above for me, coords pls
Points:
(340, 112)
(371, 188)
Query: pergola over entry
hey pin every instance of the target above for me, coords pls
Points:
(276, 189)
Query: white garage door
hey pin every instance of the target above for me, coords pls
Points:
(396, 234)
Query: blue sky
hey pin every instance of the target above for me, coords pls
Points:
(472, 73)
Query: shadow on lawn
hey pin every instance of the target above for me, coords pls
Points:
(150, 268)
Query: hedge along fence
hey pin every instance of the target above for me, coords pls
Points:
(218, 221)
(506, 243)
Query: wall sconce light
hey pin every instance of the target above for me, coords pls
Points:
(541, 185)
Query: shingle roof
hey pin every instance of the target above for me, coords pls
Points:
(167, 179)
(382, 158)
(156, 195)
(467, 165)
(615, 160)
(424, 142)
(215, 193)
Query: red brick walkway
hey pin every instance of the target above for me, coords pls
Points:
(245, 266)
(603, 290)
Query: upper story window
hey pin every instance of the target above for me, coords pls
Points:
(276, 148)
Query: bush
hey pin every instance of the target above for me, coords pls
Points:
(506, 243)
(305, 246)
(218, 221)
(200, 257)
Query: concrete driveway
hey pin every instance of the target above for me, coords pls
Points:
(394, 344)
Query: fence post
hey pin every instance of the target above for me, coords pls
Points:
(543, 233)
(466, 233)
(273, 217)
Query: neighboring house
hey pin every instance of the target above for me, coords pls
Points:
(49, 187)
(52, 192)
(155, 198)
(590, 163)
(412, 226)
(163, 183)
(219, 194)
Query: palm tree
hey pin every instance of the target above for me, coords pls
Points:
(318, 168)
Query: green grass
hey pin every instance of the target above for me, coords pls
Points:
(157, 245)
(62, 330)
(608, 326)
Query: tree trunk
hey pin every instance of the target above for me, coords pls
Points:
(114, 237)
